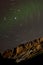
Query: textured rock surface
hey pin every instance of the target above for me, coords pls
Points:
(25, 51)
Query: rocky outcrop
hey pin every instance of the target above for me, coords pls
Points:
(25, 51)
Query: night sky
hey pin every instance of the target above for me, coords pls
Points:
(20, 21)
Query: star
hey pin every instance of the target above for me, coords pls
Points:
(4, 18)
(18, 10)
(20, 25)
(15, 18)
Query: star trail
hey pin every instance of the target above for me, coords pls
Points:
(20, 21)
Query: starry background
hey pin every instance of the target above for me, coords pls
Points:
(20, 21)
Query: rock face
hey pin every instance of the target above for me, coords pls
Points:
(25, 51)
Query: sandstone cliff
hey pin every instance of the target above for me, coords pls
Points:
(25, 51)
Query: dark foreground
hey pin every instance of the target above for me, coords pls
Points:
(35, 60)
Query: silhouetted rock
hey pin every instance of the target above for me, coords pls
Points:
(23, 52)
(7, 61)
(33, 61)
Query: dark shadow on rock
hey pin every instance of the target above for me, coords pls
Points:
(6, 61)
(35, 60)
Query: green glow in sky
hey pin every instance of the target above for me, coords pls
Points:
(20, 14)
